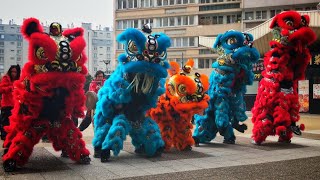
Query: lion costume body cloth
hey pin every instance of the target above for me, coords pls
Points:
(128, 93)
(49, 92)
(276, 109)
(184, 97)
(232, 72)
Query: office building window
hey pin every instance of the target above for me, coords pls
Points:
(185, 1)
(171, 2)
(108, 35)
(108, 48)
(12, 43)
(185, 20)
(171, 21)
(191, 20)
(1, 36)
(18, 51)
(1, 44)
(261, 14)
(274, 12)
(108, 56)
(159, 2)
(1, 51)
(165, 22)
(1, 59)
(191, 41)
(1, 28)
(248, 15)
(19, 44)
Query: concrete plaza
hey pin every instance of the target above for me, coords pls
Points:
(271, 160)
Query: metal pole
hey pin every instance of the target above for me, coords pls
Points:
(181, 59)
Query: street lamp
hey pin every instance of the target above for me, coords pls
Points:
(106, 62)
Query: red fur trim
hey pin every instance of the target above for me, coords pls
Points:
(74, 31)
(41, 40)
(279, 20)
(302, 127)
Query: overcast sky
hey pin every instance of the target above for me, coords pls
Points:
(98, 12)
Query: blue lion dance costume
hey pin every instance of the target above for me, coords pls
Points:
(232, 71)
(130, 91)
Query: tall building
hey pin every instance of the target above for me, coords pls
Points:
(194, 24)
(11, 46)
(14, 49)
(99, 48)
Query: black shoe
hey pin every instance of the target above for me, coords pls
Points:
(284, 141)
(296, 130)
(139, 150)
(84, 159)
(158, 152)
(97, 152)
(9, 165)
(5, 151)
(187, 148)
(64, 154)
(240, 127)
(105, 155)
(196, 141)
(230, 141)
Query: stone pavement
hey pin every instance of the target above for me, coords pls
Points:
(215, 160)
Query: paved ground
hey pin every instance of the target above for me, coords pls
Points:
(272, 160)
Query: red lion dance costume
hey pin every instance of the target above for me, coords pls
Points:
(276, 109)
(48, 93)
(184, 97)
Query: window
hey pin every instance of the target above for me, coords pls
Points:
(191, 1)
(191, 20)
(95, 69)
(12, 43)
(95, 55)
(248, 15)
(159, 2)
(1, 36)
(19, 44)
(95, 34)
(95, 48)
(1, 59)
(18, 51)
(185, 1)
(191, 41)
(119, 25)
(108, 41)
(1, 28)
(19, 59)
(165, 2)
(171, 21)
(179, 21)
(233, 18)
(200, 63)
(185, 42)
(120, 46)
(12, 58)
(179, 1)
(171, 2)
(274, 12)
(108, 56)
(178, 42)
(185, 20)
(165, 21)
(135, 23)
(108, 49)
(19, 37)
(1, 51)
(1, 44)
(261, 14)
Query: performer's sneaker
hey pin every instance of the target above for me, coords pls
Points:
(280, 140)
(196, 141)
(158, 152)
(255, 143)
(9, 165)
(229, 141)
(187, 148)
(296, 130)
(140, 150)
(5, 151)
(84, 159)
(97, 152)
(64, 154)
(105, 155)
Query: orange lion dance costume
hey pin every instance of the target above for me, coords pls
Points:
(276, 109)
(48, 93)
(184, 97)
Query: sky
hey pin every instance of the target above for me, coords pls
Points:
(97, 12)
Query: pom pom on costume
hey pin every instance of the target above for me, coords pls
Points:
(232, 71)
(184, 97)
(48, 93)
(131, 90)
(276, 109)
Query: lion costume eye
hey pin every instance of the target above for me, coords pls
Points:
(132, 47)
(163, 54)
(231, 40)
(289, 22)
(182, 89)
(171, 89)
(40, 53)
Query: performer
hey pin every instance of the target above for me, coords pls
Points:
(6, 88)
(129, 92)
(184, 97)
(276, 109)
(91, 99)
(232, 72)
(48, 93)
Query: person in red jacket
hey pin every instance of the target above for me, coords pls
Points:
(6, 88)
(94, 86)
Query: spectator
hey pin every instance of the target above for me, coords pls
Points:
(6, 89)
(95, 85)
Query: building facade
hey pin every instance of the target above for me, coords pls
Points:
(14, 49)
